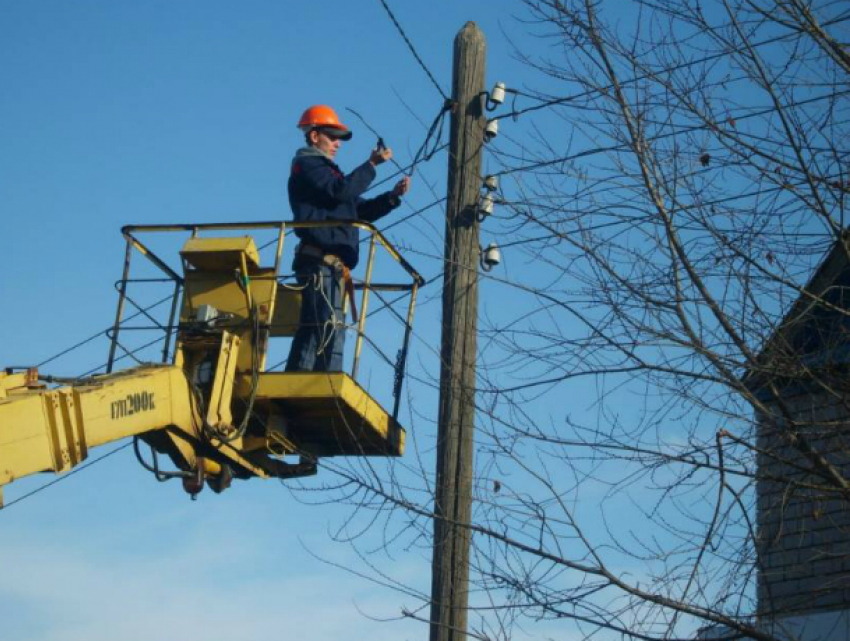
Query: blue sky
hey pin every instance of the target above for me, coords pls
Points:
(144, 112)
(148, 112)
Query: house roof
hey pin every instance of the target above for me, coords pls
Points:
(814, 332)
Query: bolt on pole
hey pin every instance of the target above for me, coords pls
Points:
(456, 420)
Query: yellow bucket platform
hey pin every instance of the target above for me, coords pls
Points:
(329, 414)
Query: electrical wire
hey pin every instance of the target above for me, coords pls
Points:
(100, 333)
(83, 377)
(424, 153)
(127, 354)
(544, 103)
(416, 212)
(400, 173)
(675, 210)
(413, 50)
(374, 131)
(685, 130)
(70, 473)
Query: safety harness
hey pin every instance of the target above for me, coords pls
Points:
(332, 260)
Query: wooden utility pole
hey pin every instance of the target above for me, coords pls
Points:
(450, 565)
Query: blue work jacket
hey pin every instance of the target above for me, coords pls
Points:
(318, 190)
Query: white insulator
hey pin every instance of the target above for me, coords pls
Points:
(485, 205)
(491, 183)
(491, 257)
(492, 130)
(497, 96)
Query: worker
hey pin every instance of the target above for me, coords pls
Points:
(318, 191)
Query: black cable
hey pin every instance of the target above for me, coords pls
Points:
(127, 353)
(403, 172)
(374, 131)
(79, 468)
(413, 50)
(158, 474)
(423, 154)
(514, 113)
(674, 210)
(142, 310)
(73, 380)
(685, 130)
(416, 212)
(100, 333)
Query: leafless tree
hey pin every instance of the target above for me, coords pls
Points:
(673, 222)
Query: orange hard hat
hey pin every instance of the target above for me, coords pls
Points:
(322, 116)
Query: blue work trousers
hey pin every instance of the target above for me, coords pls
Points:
(319, 341)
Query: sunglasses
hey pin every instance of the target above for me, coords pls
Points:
(331, 135)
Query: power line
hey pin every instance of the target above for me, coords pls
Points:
(404, 171)
(413, 50)
(412, 214)
(544, 103)
(79, 468)
(673, 210)
(380, 137)
(100, 333)
(684, 130)
(423, 154)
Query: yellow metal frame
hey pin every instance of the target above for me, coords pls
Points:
(329, 414)
(280, 322)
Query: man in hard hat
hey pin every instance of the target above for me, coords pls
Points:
(319, 191)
